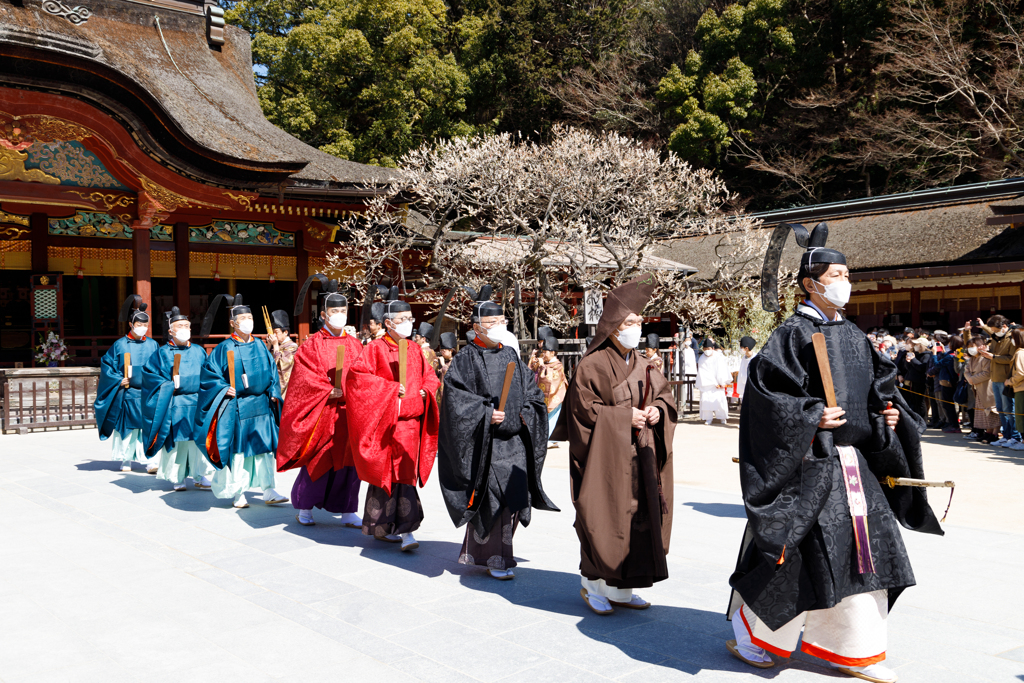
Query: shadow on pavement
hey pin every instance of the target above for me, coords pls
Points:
(733, 510)
(681, 638)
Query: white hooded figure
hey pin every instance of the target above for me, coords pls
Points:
(713, 377)
(689, 358)
(747, 352)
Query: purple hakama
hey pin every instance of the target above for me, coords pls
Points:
(336, 492)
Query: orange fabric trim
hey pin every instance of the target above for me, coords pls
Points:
(760, 643)
(305, 449)
(782, 557)
(388, 340)
(822, 653)
(476, 340)
(211, 443)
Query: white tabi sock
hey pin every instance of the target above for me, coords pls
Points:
(305, 515)
(743, 643)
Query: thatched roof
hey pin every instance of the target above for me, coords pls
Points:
(191, 104)
(874, 236)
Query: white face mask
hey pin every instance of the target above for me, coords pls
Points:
(1000, 334)
(338, 320)
(630, 337)
(497, 333)
(403, 330)
(837, 293)
(140, 330)
(183, 335)
(973, 350)
(709, 352)
(245, 326)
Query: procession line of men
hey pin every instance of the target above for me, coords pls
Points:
(821, 559)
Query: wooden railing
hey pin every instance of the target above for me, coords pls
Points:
(47, 398)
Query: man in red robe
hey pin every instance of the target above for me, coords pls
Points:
(393, 427)
(314, 422)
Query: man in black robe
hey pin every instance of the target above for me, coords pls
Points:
(489, 460)
(822, 552)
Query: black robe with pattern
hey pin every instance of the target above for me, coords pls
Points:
(482, 467)
(792, 479)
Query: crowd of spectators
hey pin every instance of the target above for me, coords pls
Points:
(972, 378)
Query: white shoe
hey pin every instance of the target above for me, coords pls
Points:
(151, 469)
(202, 483)
(708, 423)
(872, 672)
(179, 487)
(742, 648)
(409, 542)
(971, 436)
(502, 574)
(352, 520)
(240, 501)
(305, 518)
(272, 497)
(1001, 442)
(1016, 446)
(597, 603)
(126, 466)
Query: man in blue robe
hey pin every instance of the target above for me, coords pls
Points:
(170, 389)
(239, 409)
(118, 402)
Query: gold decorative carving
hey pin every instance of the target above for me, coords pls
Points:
(151, 211)
(242, 200)
(13, 218)
(171, 200)
(18, 132)
(11, 232)
(12, 167)
(109, 200)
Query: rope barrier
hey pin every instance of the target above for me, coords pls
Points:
(952, 403)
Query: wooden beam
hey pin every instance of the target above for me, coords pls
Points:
(181, 267)
(39, 229)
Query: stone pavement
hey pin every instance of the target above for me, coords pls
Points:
(110, 576)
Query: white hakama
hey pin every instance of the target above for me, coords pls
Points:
(852, 634)
(713, 371)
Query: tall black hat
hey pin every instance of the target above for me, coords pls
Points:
(748, 343)
(709, 343)
(235, 307)
(279, 320)
(550, 342)
(329, 296)
(813, 242)
(392, 304)
(425, 330)
(544, 332)
(483, 306)
(133, 310)
(174, 315)
(652, 341)
(449, 340)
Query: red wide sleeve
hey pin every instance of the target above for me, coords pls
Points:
(308, 418)
(431, 419)
(371, 395)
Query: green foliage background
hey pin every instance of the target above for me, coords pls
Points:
(778, 96)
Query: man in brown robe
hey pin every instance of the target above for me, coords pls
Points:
(619, 420)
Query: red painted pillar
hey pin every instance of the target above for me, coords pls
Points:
(181, 267)
(141, 263)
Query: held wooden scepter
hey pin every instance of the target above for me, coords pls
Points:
(231, 368)
(403, 359)
(127, 365)
(176, 372)
(510, 371)
(266, 321)
(339, 362)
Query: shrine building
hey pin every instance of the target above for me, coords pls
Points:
(134, 156)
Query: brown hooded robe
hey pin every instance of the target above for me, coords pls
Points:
(621, 477)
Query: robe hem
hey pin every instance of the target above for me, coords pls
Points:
(760, 643)
(821, 653)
